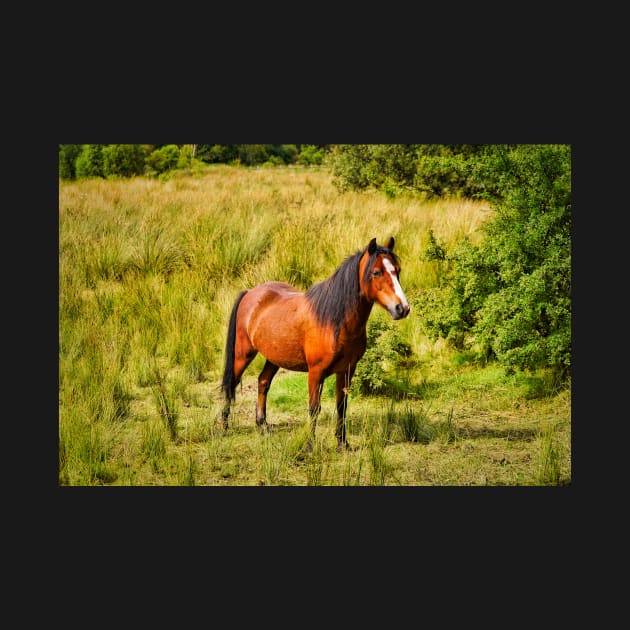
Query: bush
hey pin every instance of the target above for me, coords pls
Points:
(89, 163)
(163, 159)
(510, 296)
(360, 166)
(217, 153)
(286, 152)
(385, 349)
(274, 160)
(123, 160)
(68, 154)
(251, 154)
(185, 158)
(310, 155)
(431, 169)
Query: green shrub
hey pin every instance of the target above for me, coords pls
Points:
(286, 152)
(212, 153)
(447, 170)
(274, 160)
(310, 155)
(89, 162)
(250, 154)
(510, 296)
(163, 159)
(432, 169)
(68, 154)
(360, 166)
(186, 157)
(123, 160)
(385, 350)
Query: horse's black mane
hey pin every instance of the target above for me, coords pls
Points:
(333, 298)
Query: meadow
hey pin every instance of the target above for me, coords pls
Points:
(148, 271)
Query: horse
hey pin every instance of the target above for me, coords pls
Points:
(321, 331)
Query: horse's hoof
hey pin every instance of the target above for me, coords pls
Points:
(343, 446)
(308, 447)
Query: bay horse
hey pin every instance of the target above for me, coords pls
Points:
(321, 331)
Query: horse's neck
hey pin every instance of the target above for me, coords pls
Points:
(356, 321)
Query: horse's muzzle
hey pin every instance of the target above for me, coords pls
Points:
(400, 311)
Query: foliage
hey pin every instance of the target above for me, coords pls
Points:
(360, 166)
(254, 154)
(89, 163)
(286, 152)
(88, 160)
(311, 155)
(386, 348)
(163, 159)
(123, 160)
(186, 157)
(277, 154)
(510, 296)
(215, 153)
(68, 154)
(432, 169)
(446, 170)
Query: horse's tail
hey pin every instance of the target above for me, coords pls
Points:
(228, 384)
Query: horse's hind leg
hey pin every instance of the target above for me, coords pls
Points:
(243, 357)
(264, 383)
(341, 390)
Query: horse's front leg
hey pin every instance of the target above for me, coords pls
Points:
(264, 383)
(341, 389)
(315, 385)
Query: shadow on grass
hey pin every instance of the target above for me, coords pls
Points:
(508, 433)
(404, 425)
(400, 390)
(413, 424)
(280, 426)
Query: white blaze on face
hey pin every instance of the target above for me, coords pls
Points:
(391, 270)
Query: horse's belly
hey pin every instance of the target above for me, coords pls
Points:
(283, 351)
(280, 339)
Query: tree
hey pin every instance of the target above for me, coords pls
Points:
(310, 154)
(360, 166)
(123, 160)
(510, 296)
(89, 163)
(163, 159)
(68, 154)
(217, 153)
(432, 169)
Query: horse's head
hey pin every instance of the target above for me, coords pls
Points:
(378, 276)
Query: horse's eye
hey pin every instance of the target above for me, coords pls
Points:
(377, 273)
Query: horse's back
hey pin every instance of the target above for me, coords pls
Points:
(271, 295)
(279, 289)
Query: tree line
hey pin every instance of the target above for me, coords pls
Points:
(81, 161)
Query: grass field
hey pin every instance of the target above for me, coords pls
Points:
(148, 272)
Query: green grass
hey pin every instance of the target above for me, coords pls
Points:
(148, 272)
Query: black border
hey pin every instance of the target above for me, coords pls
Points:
(334, 103)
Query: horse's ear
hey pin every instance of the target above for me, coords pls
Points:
(371, 248)
(390, 244)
